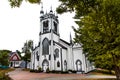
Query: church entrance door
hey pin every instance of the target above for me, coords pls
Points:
(79, 65)
(45, 65)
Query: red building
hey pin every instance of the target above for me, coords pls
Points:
(15, 59)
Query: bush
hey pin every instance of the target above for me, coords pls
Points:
(36, 71)
(40, 69)
(74, 71)
(58, 72)
(47, 70)
(31, 70)
(3, 76)
(64, 72)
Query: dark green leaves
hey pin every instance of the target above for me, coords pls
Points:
(34, 1)
(17, 3)
(99, 31)
(4, 57)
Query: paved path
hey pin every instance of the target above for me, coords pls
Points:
(18, 74)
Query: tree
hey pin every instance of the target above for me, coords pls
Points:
(99, 30)
(27, 49)
(4, 57)
(17, 3)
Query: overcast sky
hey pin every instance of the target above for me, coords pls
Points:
(17, 25)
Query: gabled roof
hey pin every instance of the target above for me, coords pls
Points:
(14, 56)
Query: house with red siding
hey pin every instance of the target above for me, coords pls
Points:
(15, 59)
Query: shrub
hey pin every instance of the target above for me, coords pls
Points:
(36, 71)
(64, 72)
(47, 70)
(40, 69)
(31, 70)
(3, 76)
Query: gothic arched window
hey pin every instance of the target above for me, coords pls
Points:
(37, 56)
(45, 26)
(55, 27)
(58, 64)
(45, 50)
(57, 52)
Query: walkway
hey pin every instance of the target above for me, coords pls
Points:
(18, 74)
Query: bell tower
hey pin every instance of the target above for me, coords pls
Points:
(49, 22)
(49, 33)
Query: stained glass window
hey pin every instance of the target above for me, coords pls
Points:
(45, 50)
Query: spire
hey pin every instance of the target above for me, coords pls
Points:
(51, 10)
(41, 12)
(71, 39)
(46, 12)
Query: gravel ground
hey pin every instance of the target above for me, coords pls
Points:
(18, 74)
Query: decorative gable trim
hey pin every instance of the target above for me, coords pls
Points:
(15, 57)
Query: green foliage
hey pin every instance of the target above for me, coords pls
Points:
(99, 30)
(81, 7)
(40, 69)
(17, 3)
(27, 49)
(47, 70)
(19, 53)
(3, 75)
(4, 57)
(99, 34)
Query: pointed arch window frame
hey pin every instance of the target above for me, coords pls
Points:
(45, 26)
(45, 46)
(55, 27)
(58, 64)
(57, 52)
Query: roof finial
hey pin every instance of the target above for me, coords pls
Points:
(71, 39)
(41, 12)
(46, 11)
(51, 10)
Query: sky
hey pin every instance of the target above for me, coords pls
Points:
(18, 25)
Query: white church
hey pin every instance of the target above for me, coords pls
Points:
(55, 53)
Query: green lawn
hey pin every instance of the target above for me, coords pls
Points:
(94, 79)
(3, 75)
(102, 72)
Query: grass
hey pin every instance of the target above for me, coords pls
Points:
(26, 69)
(3, 75)
(101, 72)
(95, 79)
(6, 70)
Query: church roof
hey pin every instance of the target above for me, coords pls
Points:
(60, 45)
(77, 45)
(65, 42)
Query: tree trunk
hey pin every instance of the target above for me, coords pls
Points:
(110, 71)
(117, 72)
(25, 64)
